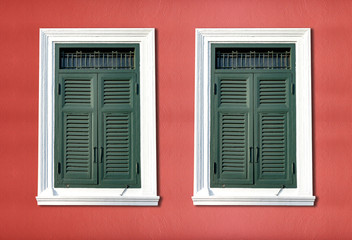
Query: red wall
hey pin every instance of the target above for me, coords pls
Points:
(176, 217)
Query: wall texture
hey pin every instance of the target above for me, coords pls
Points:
(176, 217)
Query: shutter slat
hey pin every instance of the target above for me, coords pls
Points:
(233, 91)
(117, 91)
(273, 164)
(77, 91)
(77, 154)
(233, 149)
(273, 91)
(116, 161)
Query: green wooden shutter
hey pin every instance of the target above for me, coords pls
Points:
(275, 127)
(252, 142)
(76, 126)
(119, 130)
(231, 134)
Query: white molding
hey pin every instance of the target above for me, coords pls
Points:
(258, 201)
(47, 194)
(203, 193)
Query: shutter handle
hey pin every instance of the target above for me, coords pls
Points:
(95, 154)
(137, 88)
(101, 154)
(251, 154)
(257, 158)
(137, 168)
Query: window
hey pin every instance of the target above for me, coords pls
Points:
(97, 116)
(97, 143)
(253, 117)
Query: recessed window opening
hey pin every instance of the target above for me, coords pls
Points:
(97, 116)
(253, 116)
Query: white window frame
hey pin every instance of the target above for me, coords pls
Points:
(47, 193)
(203, 193)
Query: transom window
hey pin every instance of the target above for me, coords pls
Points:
(253, 58)
(97, 58)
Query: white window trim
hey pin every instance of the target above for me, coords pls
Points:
(47, 193)
(203, 193)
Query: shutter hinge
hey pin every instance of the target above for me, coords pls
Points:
(137, 88)
(292, 88)
(59, 89)
(293, 168)
(215, 168)
(59, 168)
(215, 89)
(137, 168)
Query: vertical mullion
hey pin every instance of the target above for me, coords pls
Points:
(58, 152)
(255, 128)
(214, 119)
(94, 125)
(101, 140)
(96, 100)
(251, 129)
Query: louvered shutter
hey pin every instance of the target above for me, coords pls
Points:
(231, 134)
(119, 130)
(76, 125)
(275, 121)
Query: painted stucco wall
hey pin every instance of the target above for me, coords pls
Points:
(176, 217)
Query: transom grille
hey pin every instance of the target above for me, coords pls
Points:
(95, 58)
(253, 58)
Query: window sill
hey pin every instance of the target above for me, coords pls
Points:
(102, 197)
(259, 200)
(250, 196)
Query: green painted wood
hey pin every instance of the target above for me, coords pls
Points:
(231, 135)
(253, 133)
(275, 125)
(119, 130)
(76, 130)
(97, 124)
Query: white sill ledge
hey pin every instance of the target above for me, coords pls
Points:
(257, 201)
(94, 196)
(102, 201)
